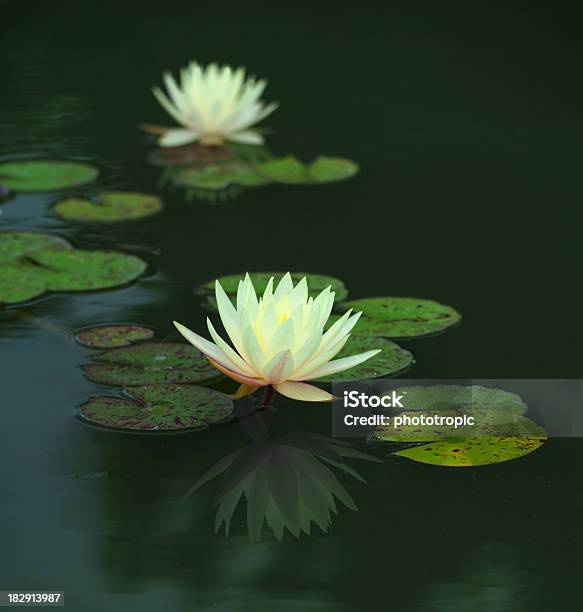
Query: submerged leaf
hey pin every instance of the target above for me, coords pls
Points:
(391, 360)
(113, 336)
(159, 409)
(45, 175)
(151, 362)
(401, 317)
(110, 207)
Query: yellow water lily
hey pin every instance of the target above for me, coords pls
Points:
(214, 104)
(278, 339)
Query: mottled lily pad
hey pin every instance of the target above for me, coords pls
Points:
(32, 263)
(151, 362)
(159, 409)
(470, 452)
(45, 175)
(220, 176)
(110, 207)
(77, 270)
(316, 284)
(15, 245)
(113, 336)
(500, 431)
(331, 169)
(401, 317)
(391, 360)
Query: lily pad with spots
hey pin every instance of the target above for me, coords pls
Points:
(500, 430)
(402, 317)
(32, 263)
(391, 360)
(151, 362)
(109, 207)
(113, 336)
(159, 409)
(76, 270)
(45, 175)
(471, 452)
(230, 283)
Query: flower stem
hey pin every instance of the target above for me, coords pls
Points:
(267, 396)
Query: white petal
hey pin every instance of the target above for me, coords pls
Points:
(279, 367)
(177, 138)
(284, 287)
(247, 137)
(303, 392)
(235, 358)
(333, 367)
(230, 319)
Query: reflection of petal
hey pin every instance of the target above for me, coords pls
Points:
(285, 482)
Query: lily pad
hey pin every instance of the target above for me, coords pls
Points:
(316, 284)
(15, 245)
(287, 169)
(110, 207)
(470, 452)
(401, 317)
(331, 169)
(77, 270)
(220, 176)
(500, 431)
(113, 336)
(391, 360)
(45, 175)
(159, 409)
(20, 283)
(32, 263)
(151, 362)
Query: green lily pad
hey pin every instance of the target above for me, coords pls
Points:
(400, 317)
(220, 176)
(32, 263)
(151, 362)
(500, 431)
(45, 175)
(331, 169)
(389, 361)
(110, 207)
(20, 283)
(316, 284)
(113, 336)
(159, 409)
(15, 245)
(471, 452)
(287, 169)
(77, 270)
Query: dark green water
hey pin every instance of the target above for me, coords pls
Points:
(468, 129)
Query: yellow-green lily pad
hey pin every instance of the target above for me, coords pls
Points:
(16, 245)
(402, 317)
(471, 452)
(109, 207)
(159, 409)
(20, 283)
(287, 169)
(151, 362)
(113, 336)
(45, 175)
(391, 360)
(331, 169)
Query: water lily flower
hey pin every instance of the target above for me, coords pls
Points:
(278, 339)
(214, 104)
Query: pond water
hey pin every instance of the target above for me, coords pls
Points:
(467, 128)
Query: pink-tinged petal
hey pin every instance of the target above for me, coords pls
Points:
(240, 378)
(303, 392)
(279, 367)
(333, 367)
